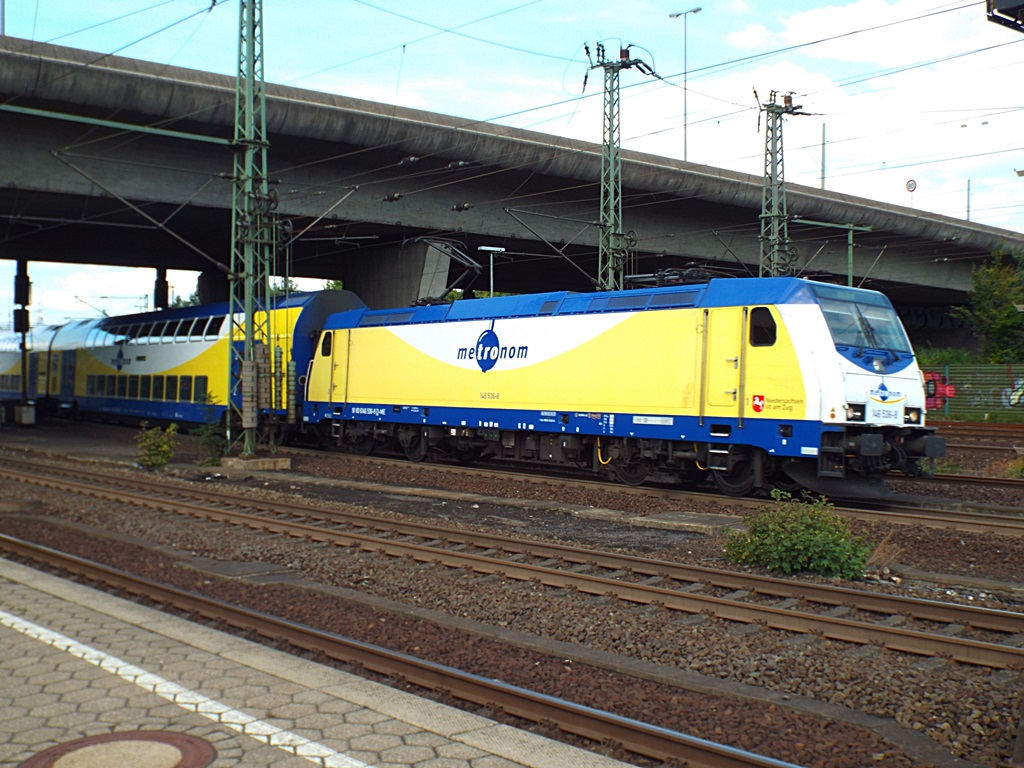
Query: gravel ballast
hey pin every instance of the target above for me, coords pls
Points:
(963, 710)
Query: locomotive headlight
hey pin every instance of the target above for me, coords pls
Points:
(912, 416)
(878, 364)
(855, 412)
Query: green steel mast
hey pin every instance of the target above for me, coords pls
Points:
(251, 242)
(613, 246)
(777, 258)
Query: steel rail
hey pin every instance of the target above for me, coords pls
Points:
(601, 726)
(896, 638)
(972, 522)
(997, 482)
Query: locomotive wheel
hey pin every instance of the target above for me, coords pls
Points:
(415, 448)
(738, 481)
(632, 473)
(362, 445)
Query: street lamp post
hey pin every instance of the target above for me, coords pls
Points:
(686, 90)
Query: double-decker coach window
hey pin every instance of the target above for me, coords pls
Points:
(158, 387)
(213, 326)
(170, 330)
(200, 389)
(185, 389)
(145, 387)
(325, 344)
(171, 389)
(133, 386)
(762, 327)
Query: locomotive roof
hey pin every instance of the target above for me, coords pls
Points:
(715, 293)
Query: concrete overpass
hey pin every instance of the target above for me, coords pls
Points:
(384, 195)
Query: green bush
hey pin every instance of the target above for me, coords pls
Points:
(156, 446)
(793, 536)
(213, 443)
(212, 435)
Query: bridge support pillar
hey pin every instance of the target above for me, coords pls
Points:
(161, 291)
(212, 287)
(397, 276)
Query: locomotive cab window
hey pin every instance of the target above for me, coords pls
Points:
(762, 327)
(325, 344)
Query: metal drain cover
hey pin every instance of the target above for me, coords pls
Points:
(129, 749)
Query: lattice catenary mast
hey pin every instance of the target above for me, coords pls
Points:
(251, 255)
(777, 258)
(613, 246)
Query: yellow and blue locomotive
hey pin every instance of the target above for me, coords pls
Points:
(752, 383)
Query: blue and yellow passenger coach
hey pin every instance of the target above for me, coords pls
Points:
(752, 383)
(164, 366)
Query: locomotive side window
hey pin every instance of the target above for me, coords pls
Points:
(762, 327)
(325, 344)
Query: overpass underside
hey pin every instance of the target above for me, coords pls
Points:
(113, 161)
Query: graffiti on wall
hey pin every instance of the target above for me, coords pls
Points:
(937, 390)
(974, 388)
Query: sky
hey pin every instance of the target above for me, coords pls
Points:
(894, 91)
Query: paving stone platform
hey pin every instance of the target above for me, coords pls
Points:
(155, 690)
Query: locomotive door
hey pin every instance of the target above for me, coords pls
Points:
(328, 376)
(723, 357)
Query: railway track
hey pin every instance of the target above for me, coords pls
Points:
(977, 518)
(976, 431)
(603, 727)
(964, 633)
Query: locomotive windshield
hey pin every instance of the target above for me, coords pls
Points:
(861, 319)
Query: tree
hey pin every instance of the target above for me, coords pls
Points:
(286, 285)
(180, 301)
(997, 288)
(334, 285)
